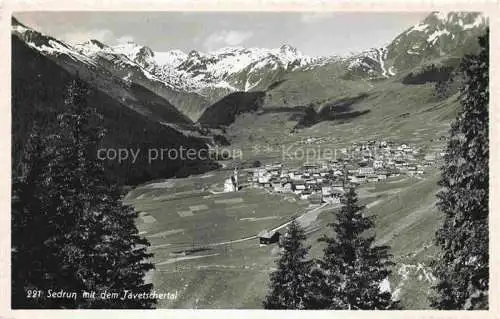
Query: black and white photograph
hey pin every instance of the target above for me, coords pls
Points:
(292, 160)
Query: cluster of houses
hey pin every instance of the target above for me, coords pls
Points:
(313, 182)
(367, 162)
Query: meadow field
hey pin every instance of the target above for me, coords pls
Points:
(207, 254)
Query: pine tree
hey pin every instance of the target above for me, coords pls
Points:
(90, 239)
(352, 266)
(30, 221)
(101, 247)
(462, 266)
(289, 283)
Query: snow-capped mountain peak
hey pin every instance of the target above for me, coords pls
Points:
(199, 71)
(239, 68)
(91, 47)
(444, 23)
(130, 49)
(228, 68)
(439, 34)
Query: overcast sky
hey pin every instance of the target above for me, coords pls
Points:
(314, 34)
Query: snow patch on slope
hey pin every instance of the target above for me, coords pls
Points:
(57, 48)
(436, 34)
(172, 58)
(477, 22)
(391, 71)
(419, 27)
(381, 57)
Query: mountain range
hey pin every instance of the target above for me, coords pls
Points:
(193, 81)
(189, 93)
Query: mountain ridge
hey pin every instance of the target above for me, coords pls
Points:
(38, 91)
(193, 81)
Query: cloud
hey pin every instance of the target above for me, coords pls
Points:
(125, 39)
(104, 36)
(312, 17)
(82, 36)
(226, 38)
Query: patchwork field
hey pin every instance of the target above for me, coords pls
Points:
(206, 251)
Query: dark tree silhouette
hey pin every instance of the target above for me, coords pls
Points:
(85, 238)
(352, 266)
(290, 282)
(462, 267)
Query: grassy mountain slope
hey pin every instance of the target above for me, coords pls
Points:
(225, 111)
(313, 86)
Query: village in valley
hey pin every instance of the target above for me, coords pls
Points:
(323, 181)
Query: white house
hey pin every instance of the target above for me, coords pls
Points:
(295, 176)
(378, 164)
(337, 172)
(264, 179)
(382, 177)
(277, 187)
(358, 179)
(300, 187)
(305, 195)
(365, 170)
(331, 199)
(287, 187)
(326, 190)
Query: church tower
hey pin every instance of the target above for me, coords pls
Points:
(235, 178)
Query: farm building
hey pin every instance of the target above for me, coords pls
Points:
(295, 175)
(287, 187)
(382, 176)
(326, 190)
(331, 199)
(268, 237)
(305, 194)
(365, 170)
(378, 164)
(277, 187)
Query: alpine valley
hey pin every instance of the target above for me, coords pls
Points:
(261, 101)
